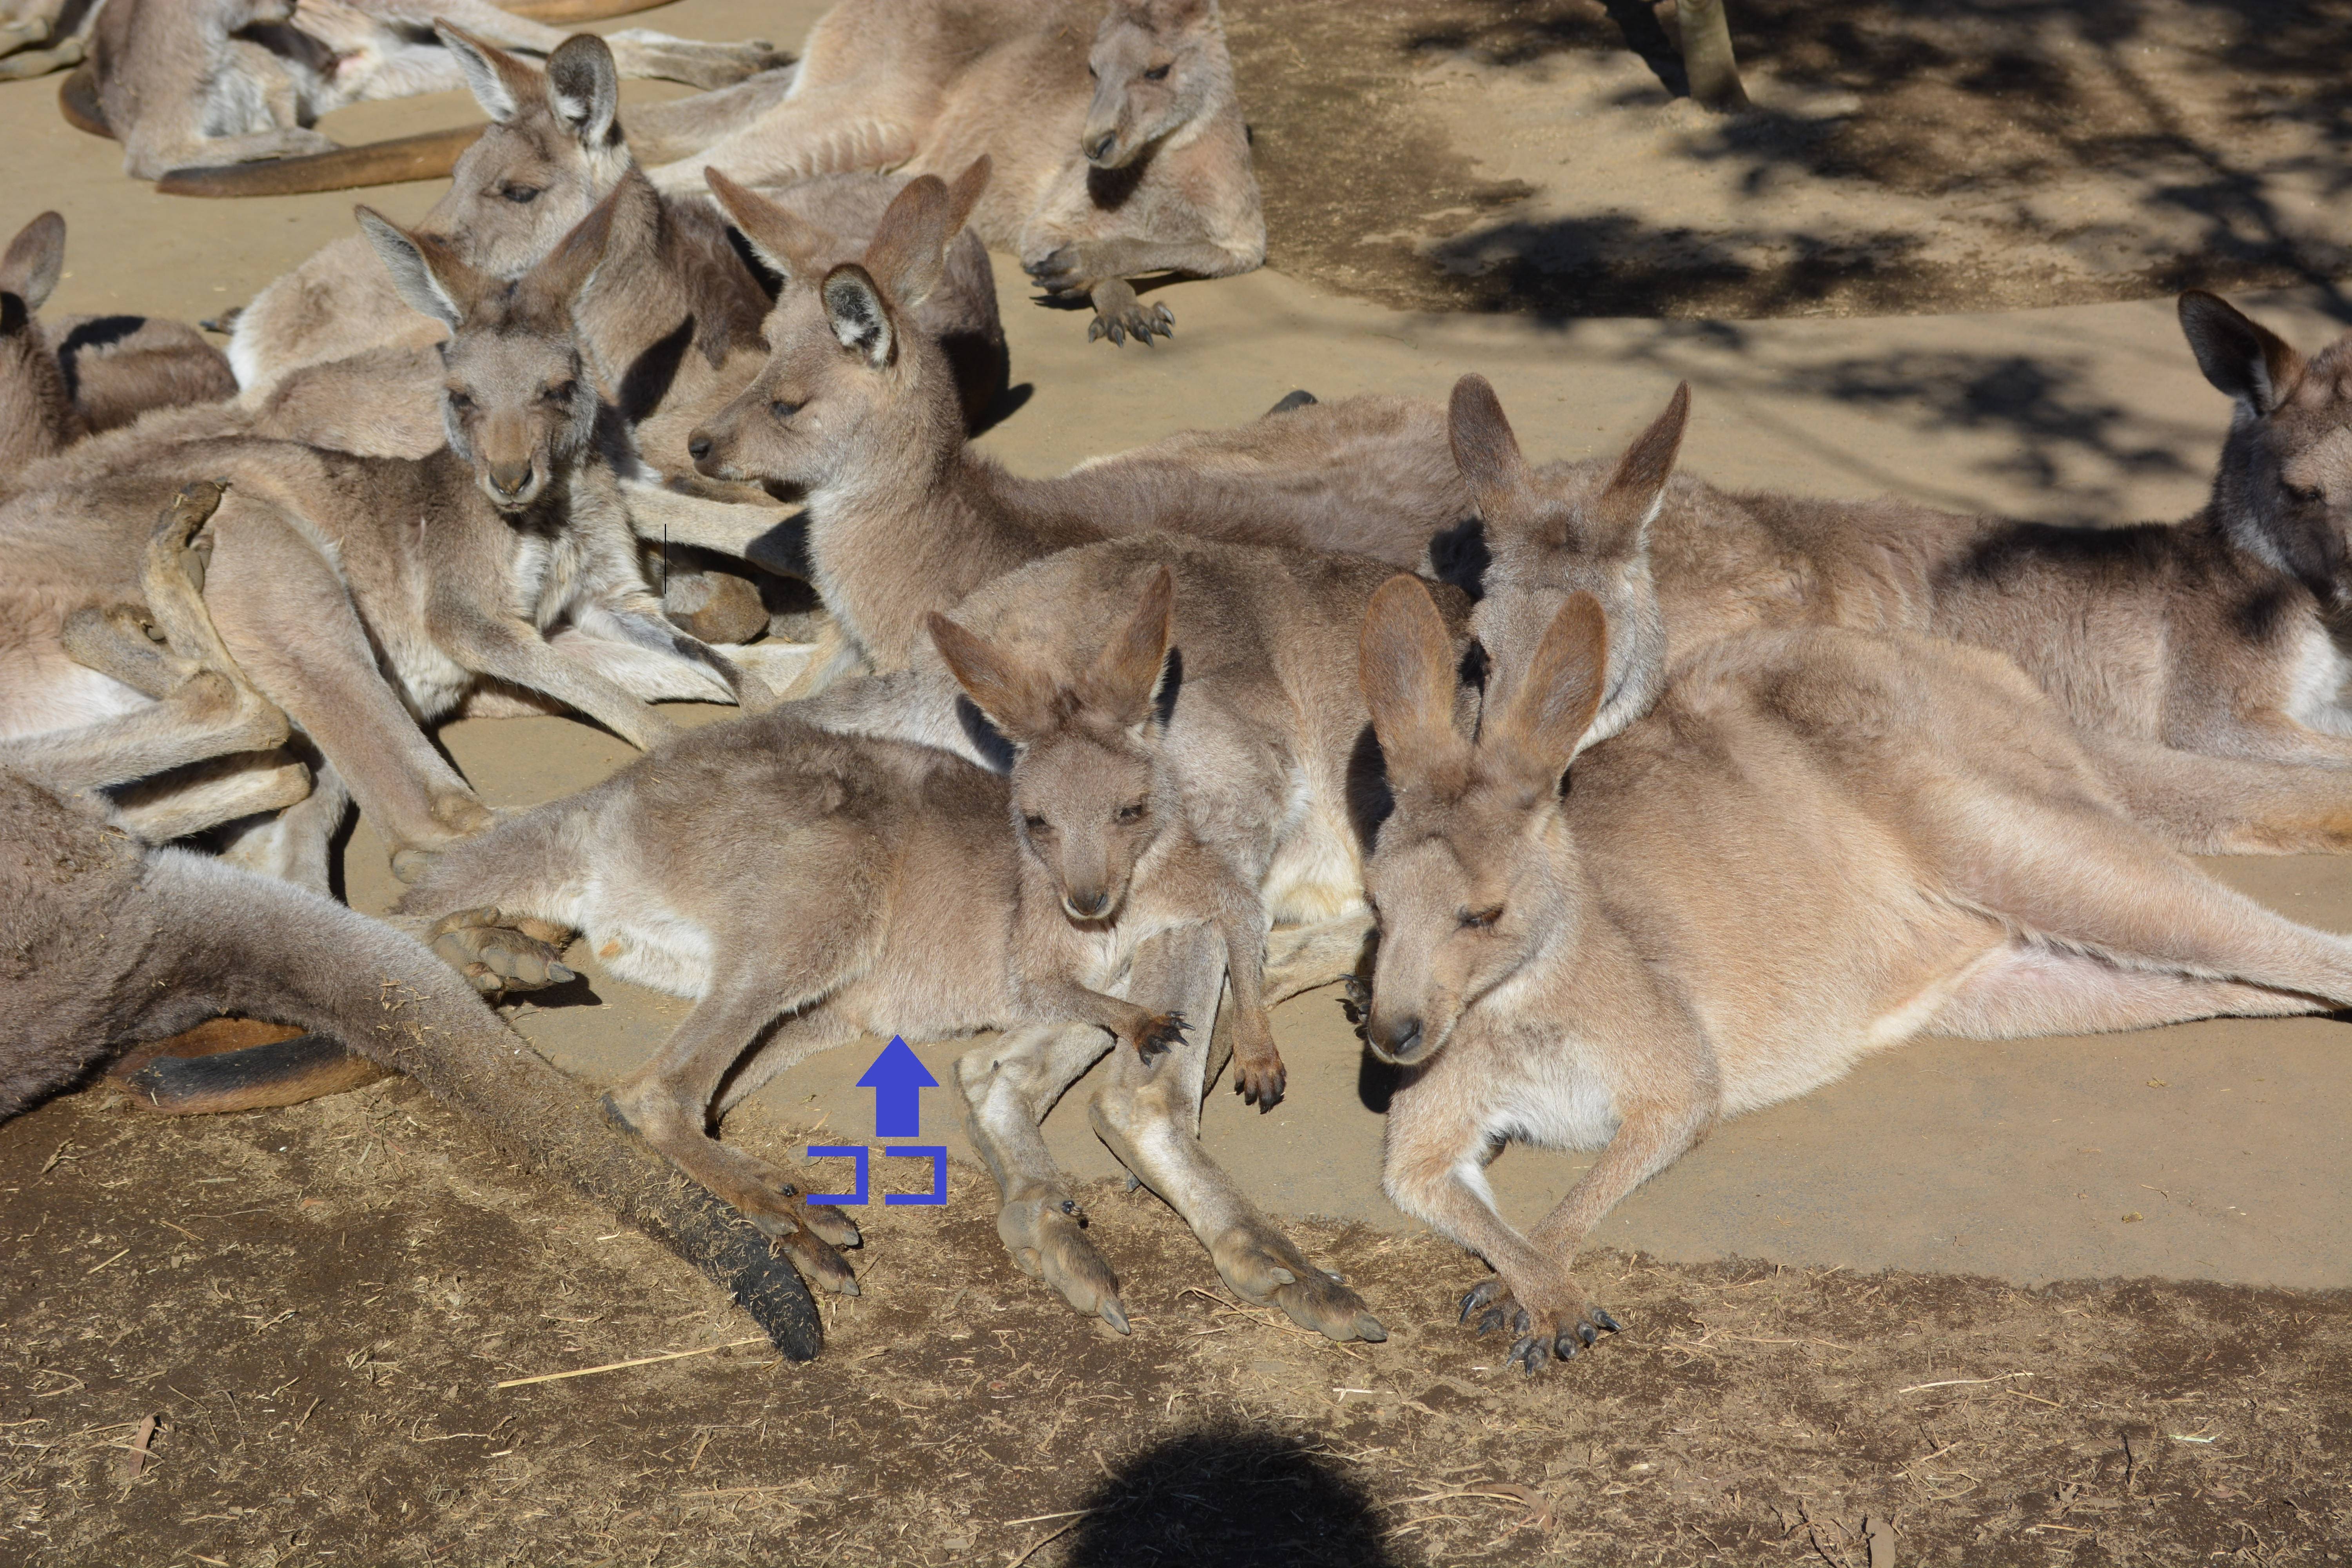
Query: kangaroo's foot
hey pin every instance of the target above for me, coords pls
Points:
(641, 52)
(1259, 1076)
(1262, 1264)
(1299, 398)
(498, 955)
(1555, 1332)
(1046, 1234)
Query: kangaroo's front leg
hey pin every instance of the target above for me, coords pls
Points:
(1100, 270)
(511, 648)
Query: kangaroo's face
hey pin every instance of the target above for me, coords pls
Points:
(808, 417)
(1157, 66)
(2284, 489)
(1086, 809)
(517, 402)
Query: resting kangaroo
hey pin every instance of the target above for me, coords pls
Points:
(860, 415)
(775, 871)
(1113, 158)
(185, 83)
(2207, 644)
(61, 381)
(1821, 844)
(106, 943)
(363, 595)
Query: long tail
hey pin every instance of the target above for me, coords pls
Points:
(264, 949)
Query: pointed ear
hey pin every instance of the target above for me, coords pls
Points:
(1620, 517)
(501, 83)
(556, 282)
(782, 237)
(860, 320)
(908, 253)
(1405, 661)
(1484, 448)
(425, 270)
(1012, 695)
(1551, 704)
(583, 87)
(1124, 678)
(2238, 355)
(965, 193)
(36, 259)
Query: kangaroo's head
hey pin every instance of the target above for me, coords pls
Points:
(2283, 491)
(1475, 871)
(1561, 531)
(37, 415)
(1088, 793)
(853, 392)
(1158, 66)
(553, 149)
(518, 400)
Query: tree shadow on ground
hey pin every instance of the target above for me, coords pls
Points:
(1231, 1496)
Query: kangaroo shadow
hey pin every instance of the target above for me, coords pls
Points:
(1231, 1497)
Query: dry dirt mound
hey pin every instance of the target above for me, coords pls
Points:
(317, 1301)
(1902, 157)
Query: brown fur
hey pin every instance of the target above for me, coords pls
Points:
(1913, 824)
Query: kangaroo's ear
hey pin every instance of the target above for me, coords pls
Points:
(1484, 448)
(860, 320)
(501, 83)
(908, 253)
(426, 272)
(557, 280)
(583, 87)
(2239, 355)
(1619, 518)
(1551, 704)
(1012, 695)
(34, 259)
(1126, 678)
(965, 193)
(778, 235)
(1405, 660)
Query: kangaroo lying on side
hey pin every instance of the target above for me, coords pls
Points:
(919, 914)
(105, 944)
(1912, 823)
(859, 414)
(60, 382)
(1115, 158)
(363, 595)
(186, 83)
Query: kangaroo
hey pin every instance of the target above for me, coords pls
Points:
(106, 943)
(185, 83)
(1912, 822)
(860, 415)
(2211, 640)
(922, 915)
(450, 570)
(60, 382)
(1115, 158)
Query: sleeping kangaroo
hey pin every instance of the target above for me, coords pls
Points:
(1118, 141)
(1820, 843)
(2205, 646)
(362, 595)
(106, 943)
(845, 886)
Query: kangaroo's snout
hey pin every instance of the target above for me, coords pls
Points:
(1086, 906)
(1099, 146)
(510, 482)
(1396, 1040)
(697, 447)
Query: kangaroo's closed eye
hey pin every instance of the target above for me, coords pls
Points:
(521, 196)
(1480, 920)
(1132, 813)
(1033, 822)
(1157, 73)
(784, 409)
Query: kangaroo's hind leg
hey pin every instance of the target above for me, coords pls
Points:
(2230, 806)
(1149, 1115)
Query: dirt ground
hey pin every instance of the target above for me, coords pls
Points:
(317, 1304)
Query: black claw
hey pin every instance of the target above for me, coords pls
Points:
(1588, 1334)
(1529, 1354)
(1566, 1346)
(1604, 1319)
(1490, 1319)
(1520, 1322)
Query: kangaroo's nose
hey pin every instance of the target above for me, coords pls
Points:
(1099, 148)
(1401, 1040)
(1088, 906)
(698, 446)
(509, 480)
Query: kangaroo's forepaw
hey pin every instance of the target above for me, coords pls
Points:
(1259, 1080)
(1048, 1239)
(1158, 1034)
(1131, 318)
(1544, 1333)
(499, 955)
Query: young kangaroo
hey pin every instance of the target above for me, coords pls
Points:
(860, 415)
(918, 915)
(186, 83)
(1113, 158)
(362, 595)
(2209, 645)
(60, 382)
(1821, 844)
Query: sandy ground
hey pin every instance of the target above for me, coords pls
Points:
(2209, 1152)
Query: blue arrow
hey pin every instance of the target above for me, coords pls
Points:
(898, 1078)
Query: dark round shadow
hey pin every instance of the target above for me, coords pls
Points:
(1232, 1498)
